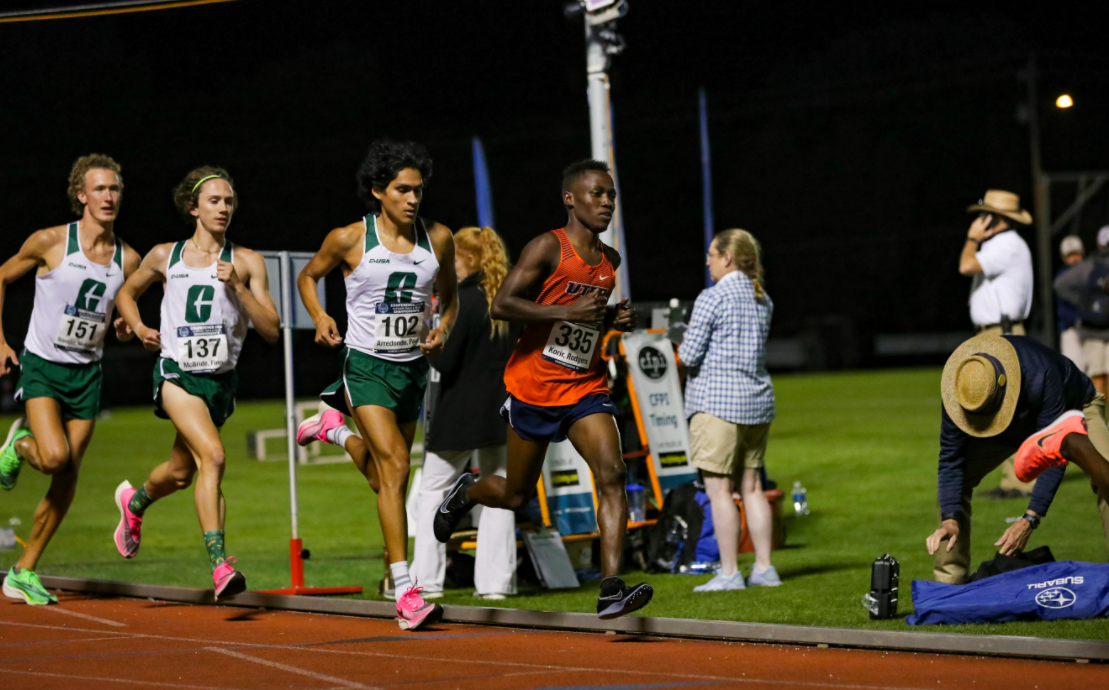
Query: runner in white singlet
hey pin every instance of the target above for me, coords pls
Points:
(391, 260)
(80, 268)
(213, 291)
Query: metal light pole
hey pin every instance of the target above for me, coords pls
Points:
(1040, 210)
(602, 42)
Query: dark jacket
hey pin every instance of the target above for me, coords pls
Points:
(471, 368)
(1073, 286)
(1050, 385)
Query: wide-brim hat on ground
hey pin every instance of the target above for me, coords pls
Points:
(1002, 203)
(981, 384)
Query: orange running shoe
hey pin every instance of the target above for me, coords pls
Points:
(1042, 450)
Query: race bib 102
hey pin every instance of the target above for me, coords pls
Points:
(571, 345)
(202, 348)
(397, 326)
(80, 330)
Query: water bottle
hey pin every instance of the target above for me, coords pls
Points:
(800, 500)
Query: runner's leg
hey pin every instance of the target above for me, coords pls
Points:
(514, 490)
(1078, 449)
(389, 445)
(63, 483)
(47, 449)
(359, 451)
(595, 437)
(174, 474)
(194, 424)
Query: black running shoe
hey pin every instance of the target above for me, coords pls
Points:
(617, 599)
(453, 508)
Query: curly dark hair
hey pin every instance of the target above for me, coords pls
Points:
(384, 161)
(187, 191)
(576, 170)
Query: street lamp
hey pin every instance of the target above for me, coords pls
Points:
(1064, 101)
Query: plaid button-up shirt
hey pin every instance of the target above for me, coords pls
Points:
(727, 339)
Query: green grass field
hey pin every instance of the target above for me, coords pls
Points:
(864, 445)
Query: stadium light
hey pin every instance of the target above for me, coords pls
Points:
(1063, 102)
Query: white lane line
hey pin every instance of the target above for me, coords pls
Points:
(291, 669)
(68, 612)
(72, 639)
(102, 679)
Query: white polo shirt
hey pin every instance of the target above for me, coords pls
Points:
(1005, 285)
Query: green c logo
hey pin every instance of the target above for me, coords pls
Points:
(198, 304)
(90, 294)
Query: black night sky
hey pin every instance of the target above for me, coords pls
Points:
(849, 141)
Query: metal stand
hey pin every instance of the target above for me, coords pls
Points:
(296, 547)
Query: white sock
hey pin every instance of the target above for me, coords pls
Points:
(339, 435)
(401, 580)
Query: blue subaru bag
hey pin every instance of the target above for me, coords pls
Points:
(1052, 591)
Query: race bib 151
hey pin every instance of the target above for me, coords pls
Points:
(80, 330)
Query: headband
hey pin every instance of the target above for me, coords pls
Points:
(202, 181)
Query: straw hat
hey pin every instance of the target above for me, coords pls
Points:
(981, 384)
(1003, 203)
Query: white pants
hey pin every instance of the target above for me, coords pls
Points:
(1071, 347)
(495, 570)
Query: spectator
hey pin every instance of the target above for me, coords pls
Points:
(730, 402)
(1084, 287)
(1000, 263)
(467, 422)
(997, 392)
(1072, 251)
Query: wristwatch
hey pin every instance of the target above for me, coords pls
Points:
(1033, 520)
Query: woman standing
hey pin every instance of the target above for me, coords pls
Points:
(466, 420)
(730, 402)
(213, 291)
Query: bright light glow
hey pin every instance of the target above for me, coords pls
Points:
(1064, 101)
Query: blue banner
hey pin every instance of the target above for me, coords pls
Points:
(481, 183)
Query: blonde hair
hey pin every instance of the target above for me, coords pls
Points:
(484, 249)
(77, 173)
(746, 253)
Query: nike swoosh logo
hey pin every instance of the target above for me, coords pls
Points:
(1040, 441)
(417, 263)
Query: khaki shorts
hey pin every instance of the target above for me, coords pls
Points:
(1097, 356)
(718, 445)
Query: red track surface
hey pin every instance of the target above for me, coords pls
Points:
(119, 643)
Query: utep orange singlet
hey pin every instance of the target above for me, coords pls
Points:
(558, 363)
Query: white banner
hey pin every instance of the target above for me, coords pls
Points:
(658, 392)
(568, 484)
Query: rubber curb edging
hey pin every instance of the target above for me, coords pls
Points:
(949, 643)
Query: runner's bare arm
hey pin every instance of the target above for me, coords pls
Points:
(447, 282)
(131, 262)
(339, 247)
(150, 271)
(537, 262)
(254, 294)
(31, 254)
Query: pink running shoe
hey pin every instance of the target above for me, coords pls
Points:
(227, 581)
(413, 611)
(130, 525)
(315, 428)
(1043, 449)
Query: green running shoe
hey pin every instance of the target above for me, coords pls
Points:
(10, 462)
(25, 585)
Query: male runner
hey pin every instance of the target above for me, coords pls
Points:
(556, 378)
(81, 266)
(390, 259)
(212, 291)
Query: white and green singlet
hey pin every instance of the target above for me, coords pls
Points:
(203, 323)
(389, 296)
(72, 305)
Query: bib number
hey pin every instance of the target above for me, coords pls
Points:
(571, 345)
(397, 326)
(202, 348)
(80, 330)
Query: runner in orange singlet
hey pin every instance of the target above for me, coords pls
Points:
(556, 377)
